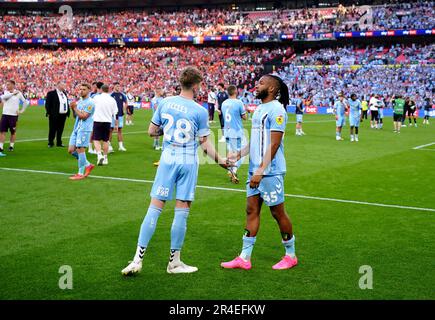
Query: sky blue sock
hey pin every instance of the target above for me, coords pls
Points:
(82, 163)
(248, 246)
(75, 155)
(289, 246)
(179, 227)
(86, 160)
(148, 226)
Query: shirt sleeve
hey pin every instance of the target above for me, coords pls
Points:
(24, 101)
(156, 119)
(114, 108)
(277, 119)
(6, 96)
(242, 109)
(90, 107)
(203, 127)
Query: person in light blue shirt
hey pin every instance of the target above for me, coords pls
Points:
(81, 135)
(234, 112)
(184, 125)
(354, 116)
(299, 114)
(339, 111)
(155, 102)
(267, 167)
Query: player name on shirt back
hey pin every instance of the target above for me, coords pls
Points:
(177, 107)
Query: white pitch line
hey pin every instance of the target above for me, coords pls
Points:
(426, 150)
(67, 137)
(233, 189)
(423, 146)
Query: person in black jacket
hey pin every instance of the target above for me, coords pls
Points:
(221, 96)
(57, 110)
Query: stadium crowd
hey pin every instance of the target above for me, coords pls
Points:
(200, 22)
(321, 75)
(139, 70)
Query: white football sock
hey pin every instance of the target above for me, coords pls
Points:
(140, 251)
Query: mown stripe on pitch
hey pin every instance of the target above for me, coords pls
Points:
(233, 189)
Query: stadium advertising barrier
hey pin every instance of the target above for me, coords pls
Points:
(198, 40)
(125, 40)
(251, 108)
(137, 105)
(142, 105)
(359, 34)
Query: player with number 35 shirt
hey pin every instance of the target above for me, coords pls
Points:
(267, 168)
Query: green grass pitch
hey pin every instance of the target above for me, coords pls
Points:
(47, 221)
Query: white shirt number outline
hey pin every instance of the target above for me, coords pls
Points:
(179, 130)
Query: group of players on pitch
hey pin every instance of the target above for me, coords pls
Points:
(357, 112)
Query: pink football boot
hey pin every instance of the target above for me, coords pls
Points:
(287, 262)
(237, 263)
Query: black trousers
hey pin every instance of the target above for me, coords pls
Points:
(221, 120)
(211, 111)
(56, 124)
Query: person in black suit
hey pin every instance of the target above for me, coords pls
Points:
(57, 110)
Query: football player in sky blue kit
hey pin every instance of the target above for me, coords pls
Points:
(81, 134)
(267, 168)
(299, 114)
(155, 101)
(233, 112)
(354, 116)
(340, 118)
(182, 122)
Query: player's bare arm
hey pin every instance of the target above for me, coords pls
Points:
(209, 149)
(154, 130)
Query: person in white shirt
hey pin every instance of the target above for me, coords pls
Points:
(211, 101)
(374, 111)
(105, 112)
(96, 88)
(11, 100)
(130, 107)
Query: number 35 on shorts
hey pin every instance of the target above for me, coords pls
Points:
(272, 190)
(270, 197)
